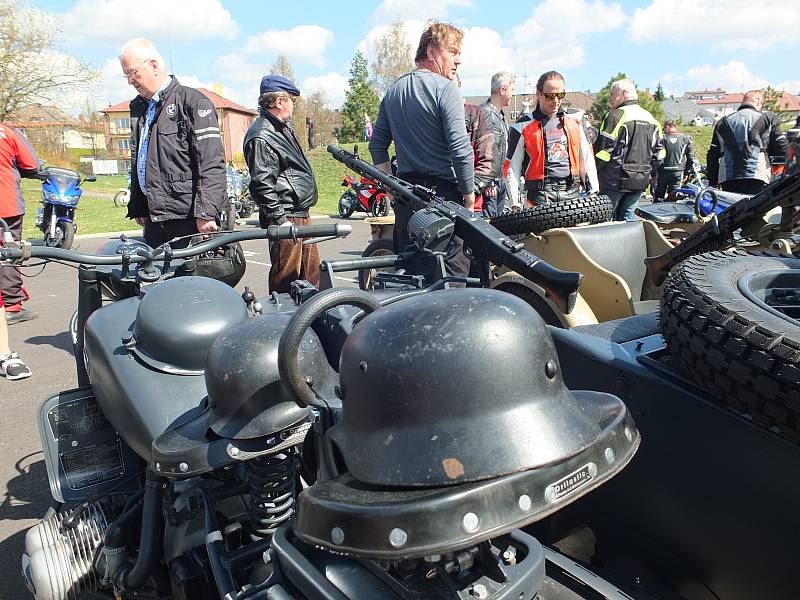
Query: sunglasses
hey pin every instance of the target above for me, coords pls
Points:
(554, 95)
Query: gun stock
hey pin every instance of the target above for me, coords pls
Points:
(719, 235)
(479, 235)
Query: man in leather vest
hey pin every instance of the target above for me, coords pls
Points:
(678, 161)
(281, 182)
(178, 185)
(629, 150)
(741, 146)
(550, 149)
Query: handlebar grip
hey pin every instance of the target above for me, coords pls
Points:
(10, 253)
(329, 230)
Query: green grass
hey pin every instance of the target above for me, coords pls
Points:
(701, 137)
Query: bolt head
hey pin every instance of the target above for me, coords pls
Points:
(470, 522)
(398, 537)
(337, 535)
(183, 467)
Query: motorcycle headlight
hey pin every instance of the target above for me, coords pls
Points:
(53, 197)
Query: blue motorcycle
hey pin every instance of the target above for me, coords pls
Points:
(61, 192)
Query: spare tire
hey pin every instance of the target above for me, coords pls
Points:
(735, 336)
(568, 213)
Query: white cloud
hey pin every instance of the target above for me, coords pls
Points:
(392, 10)
(305, 43)
(111, 87)
(115, 21)
(240, 68)
(554, 34)
(482, 55)
(730, 25)
(333, 84)
(793, 87)
(733, 76)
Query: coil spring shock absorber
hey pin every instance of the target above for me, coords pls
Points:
(272, 492)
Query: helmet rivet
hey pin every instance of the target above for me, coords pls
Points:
(234, 451)
(525, 502)
(550, 369)
(337, 535)
(309, 380)
(363, 366)
(398, 537)
(183, 467)
(470, 522)
(609, 455)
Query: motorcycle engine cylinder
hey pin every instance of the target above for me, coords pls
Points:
(57, 564)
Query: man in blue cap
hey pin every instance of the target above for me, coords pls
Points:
(281, 182)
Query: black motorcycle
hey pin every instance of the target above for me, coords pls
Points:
(304, 445)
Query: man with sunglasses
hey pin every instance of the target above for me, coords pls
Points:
(178, 184)
(281, 182)
(550, 149)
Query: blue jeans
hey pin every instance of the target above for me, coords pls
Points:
(623, 204)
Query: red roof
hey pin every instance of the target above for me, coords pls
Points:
(217, 100)
(786, 102)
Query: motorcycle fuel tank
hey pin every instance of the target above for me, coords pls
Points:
(146, 356)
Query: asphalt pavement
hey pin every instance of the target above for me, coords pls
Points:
(46, 347)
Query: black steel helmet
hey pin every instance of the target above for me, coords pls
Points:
(455, 386)
(226, 264)
(178, 319)
(246, 396)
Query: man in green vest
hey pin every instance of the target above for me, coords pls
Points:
(628, 150)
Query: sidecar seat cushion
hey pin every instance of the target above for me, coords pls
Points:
(624, 330)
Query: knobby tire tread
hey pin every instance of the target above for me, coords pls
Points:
(569, 213)
(746, 358)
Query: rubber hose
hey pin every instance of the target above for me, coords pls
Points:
(149, 543)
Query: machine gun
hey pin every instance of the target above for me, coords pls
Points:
(479, 236)
(717, 234)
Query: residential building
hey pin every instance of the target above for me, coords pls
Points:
(53, 132)
(234, 121)
(721, 103)
(685, 111)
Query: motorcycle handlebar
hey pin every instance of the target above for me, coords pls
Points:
(273, 232)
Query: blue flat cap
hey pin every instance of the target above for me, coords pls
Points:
(278, 83)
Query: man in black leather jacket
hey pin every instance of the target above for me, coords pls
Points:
(281, 181)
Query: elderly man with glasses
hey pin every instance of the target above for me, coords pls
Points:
(281, 182)
(550, 149)
(630, 149)
(178, 185)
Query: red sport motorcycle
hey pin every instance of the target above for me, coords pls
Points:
(363, 196)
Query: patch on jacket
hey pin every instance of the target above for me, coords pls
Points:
(203, 112)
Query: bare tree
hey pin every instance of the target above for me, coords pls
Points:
(393, 57)
(283, 67)
(31, 67)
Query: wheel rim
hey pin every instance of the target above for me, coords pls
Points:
(57, 240)
(777, 292)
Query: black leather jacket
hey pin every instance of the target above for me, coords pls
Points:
(281, 180)
(185, 158)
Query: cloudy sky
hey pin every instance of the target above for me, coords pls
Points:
(684, 44)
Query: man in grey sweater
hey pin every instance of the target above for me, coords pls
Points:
(424, 114)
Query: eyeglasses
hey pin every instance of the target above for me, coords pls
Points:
(292, 98)
(132, 74)
(554, 95)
